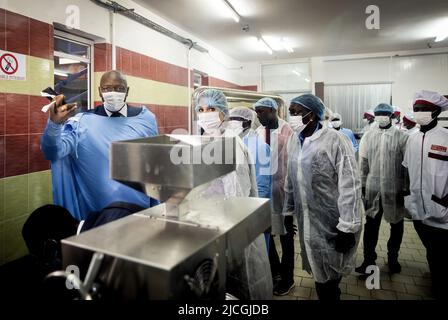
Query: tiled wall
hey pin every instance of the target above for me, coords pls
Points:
(155, 83)
(25, 181)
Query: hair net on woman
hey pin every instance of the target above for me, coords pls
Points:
(212, 98)
(243, 112)
(248, 269)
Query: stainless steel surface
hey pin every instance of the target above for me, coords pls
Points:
(147, 256)
(149, 165)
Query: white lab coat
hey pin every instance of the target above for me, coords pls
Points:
(381, 153)
(426, 158)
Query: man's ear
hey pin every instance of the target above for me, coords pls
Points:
(127, 93)
(101, 95)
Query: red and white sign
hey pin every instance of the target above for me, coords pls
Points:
(12, 66)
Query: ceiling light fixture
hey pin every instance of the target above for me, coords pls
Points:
(286, 46)
(235, 15)
(265, 45)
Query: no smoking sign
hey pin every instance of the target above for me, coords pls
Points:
(12, 66)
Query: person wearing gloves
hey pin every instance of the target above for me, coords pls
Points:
(323, 189)
(426, 159)
(78, 148)
(381, 153)
(409, 124)
(248, 271)
(336, 123)
(275, 132)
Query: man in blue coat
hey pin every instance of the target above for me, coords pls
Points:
(78, 147)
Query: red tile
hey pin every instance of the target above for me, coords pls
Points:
(175, 116)
(17, 113)
(160, 116)
(17, 33)
(145, 67)
(126, 64)
(153, 68)
(118, 59)
(161, 71)
(250, 88)
(100, 58)
(16, 155)
(37, 160)
(2, 156)
(38, 119)
(51, 41)
(40, 39)
(135, 62)
(2, 112)
(2, 29)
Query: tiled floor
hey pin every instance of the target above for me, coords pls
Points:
(413, 283)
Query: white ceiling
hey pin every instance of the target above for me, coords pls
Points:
(312, 27)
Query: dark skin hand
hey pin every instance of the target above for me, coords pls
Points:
(60, 112)
(308, 118)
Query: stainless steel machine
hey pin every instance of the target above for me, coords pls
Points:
(176, 250)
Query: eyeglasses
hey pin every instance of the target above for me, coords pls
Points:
(113, 88)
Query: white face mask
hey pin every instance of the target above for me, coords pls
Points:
(296, 123)
(383, 121)
(114, 101)
(336, 124)
(233, 128)
(395, 121)
(209, 121)
(423, 118)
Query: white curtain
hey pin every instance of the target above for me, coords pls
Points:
(351, 100)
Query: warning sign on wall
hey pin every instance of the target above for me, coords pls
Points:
(12, 66)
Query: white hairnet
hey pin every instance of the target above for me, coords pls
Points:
(243, 112)
(213, 98)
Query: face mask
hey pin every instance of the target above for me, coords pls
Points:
(336, 124)
(395, 121)
(209, 121)
(233, 128)
(423, 118)
(114, 101)
(365, 120)
(383, 121)
(296, 123)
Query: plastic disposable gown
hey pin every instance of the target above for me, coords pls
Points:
(323, 189)
(381, 153)
(248, 274)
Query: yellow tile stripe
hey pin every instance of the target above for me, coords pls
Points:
(39, 75)
(151, 92)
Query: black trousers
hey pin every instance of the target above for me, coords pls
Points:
(285, 267)
(435, 241)
(371, 232)
(329, 291)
